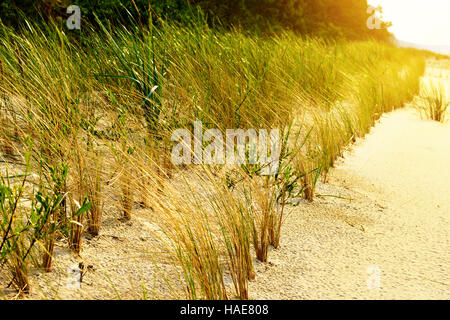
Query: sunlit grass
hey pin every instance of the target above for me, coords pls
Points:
(434, 102)
(98, 112)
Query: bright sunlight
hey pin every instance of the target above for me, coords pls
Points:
(418, 21)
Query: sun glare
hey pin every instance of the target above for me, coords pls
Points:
(420, 21)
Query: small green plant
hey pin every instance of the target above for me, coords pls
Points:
(267, 197)
(434, 102)
(76, 230)
(58, 221)
(145, 67)
(95, 195)
(13, 244)
(23, 227)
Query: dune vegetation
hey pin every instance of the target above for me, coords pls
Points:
(434, 102)
(86, 126)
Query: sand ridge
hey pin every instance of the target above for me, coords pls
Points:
(378, 229)
(396, 227)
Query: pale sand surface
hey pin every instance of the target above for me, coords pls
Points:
(392, 216)
(391, 213)
(398, 178)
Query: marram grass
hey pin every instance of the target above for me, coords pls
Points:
(102, 105)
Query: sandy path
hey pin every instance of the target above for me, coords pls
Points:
(392, 217)
(397, 223)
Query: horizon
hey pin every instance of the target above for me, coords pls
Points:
(441, 49)
(424, 24)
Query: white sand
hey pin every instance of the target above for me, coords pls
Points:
(398, 221)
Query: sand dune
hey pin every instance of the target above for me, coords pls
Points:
(379, 228)
(387, 236)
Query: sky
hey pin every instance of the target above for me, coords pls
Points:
(420, 21)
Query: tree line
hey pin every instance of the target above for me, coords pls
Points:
(329, 18)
